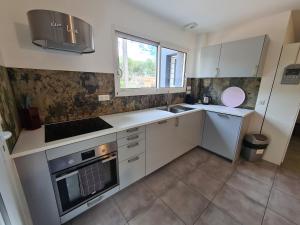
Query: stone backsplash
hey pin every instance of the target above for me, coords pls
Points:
(68, 95)
(8, 110)
(214, 87)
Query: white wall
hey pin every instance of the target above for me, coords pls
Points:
(275, 26)
(18, 51)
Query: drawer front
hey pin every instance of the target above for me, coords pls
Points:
(133, 138)
(130, 150)
(130, 132)
(131, 170)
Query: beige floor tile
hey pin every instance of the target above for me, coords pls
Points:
(106, 213)
(186, 203)
(251, 187)
(179, 168)
(196, 156)
(206, 185)
(214, 216)
(217, 168)
(160, 181)
(134, 200)
(288, 184)
(262, 170)
(272, 218)
(158, 214)
(239, 206)
(285, 205)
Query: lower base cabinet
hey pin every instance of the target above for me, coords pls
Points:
(222, 134)
(169, 139)
(132, 170)
(131, 155)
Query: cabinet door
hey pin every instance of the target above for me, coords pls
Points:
(221, 134)
(131, 170)
(188, 132)
(160, 144)
(209, 61)
(241, 58)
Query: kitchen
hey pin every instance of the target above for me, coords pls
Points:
(164, 134)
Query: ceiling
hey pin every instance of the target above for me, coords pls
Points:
(212, 15)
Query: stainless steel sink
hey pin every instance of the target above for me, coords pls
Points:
(175, 109)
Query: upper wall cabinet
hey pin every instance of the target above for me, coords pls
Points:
(209, 61)
(243, 58)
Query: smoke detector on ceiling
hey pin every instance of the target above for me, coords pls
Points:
(191, 26)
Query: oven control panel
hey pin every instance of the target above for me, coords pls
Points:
(291, 75)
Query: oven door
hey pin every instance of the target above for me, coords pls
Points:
(79, 184)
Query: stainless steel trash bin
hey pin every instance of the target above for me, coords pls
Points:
(254, 146)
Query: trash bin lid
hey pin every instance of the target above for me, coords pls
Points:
(258, 139)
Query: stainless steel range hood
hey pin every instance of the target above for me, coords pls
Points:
(60, 31)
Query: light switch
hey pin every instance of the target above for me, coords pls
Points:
(102, 98)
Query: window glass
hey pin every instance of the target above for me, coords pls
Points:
(172, 68)
(137, 63)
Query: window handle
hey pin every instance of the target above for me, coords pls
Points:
(120, 72)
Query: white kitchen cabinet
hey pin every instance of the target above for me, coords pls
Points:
(169, 139)
(222, 134)
(131, 155)
(160, 144)
(131, 170)
(243, 58)
(209, 61)
(188, 132)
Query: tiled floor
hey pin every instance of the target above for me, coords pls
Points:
(202, 189)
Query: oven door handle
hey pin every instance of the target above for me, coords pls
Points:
(66, 176)
(109, 159)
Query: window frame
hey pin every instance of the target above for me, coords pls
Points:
(119, 92)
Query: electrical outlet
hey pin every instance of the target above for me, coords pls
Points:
(102, 98)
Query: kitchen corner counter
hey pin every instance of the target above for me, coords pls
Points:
(30, 142)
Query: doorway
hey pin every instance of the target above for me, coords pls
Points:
(292, 157)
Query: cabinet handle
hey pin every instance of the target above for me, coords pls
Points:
(132, 130)
(132, 137)
(223, 115)
(133, 145)
(218, 71)
(162, 122)
(133, 159)
(176, 122)
(255, 71)
(94, 201)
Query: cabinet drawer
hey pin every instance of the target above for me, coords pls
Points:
(130, 150)
(133, 138)
(130, 131)
(132, 170)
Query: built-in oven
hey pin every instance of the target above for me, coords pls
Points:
(81, 177)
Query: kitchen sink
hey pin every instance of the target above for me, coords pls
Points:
(175, 109)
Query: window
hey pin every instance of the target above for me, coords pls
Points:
(144, 67)
(172, 68)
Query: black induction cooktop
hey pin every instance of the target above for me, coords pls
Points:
(57, 131)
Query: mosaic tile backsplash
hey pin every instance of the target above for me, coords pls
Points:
(67, 95)
(214, 87)
(8, 110)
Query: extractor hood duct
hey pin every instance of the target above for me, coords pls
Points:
(60, 31)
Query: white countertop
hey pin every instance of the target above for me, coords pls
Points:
(30, 142)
